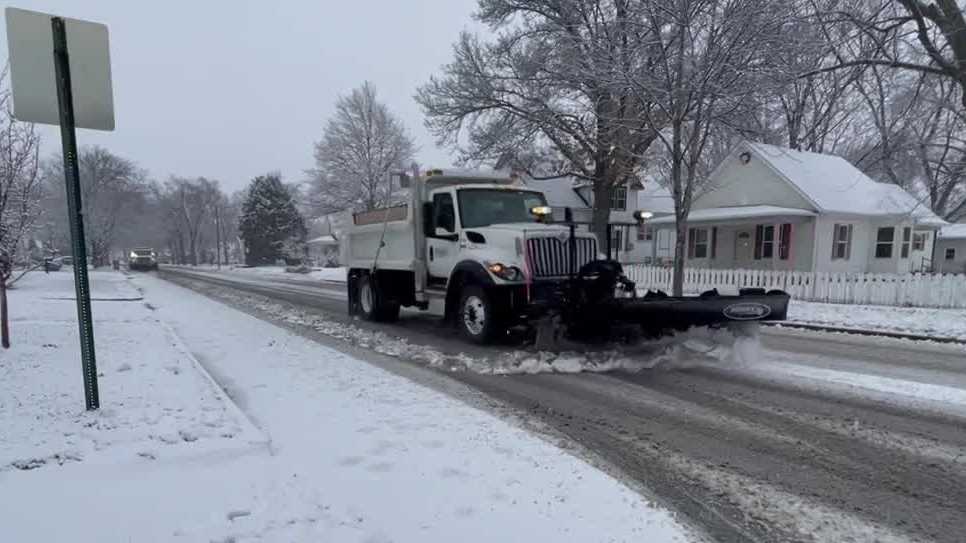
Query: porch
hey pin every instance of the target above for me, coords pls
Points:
(749, 237)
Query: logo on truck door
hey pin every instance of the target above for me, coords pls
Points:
(747, 311)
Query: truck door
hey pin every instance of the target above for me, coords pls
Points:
(442, 244)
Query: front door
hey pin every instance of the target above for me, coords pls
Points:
(744, 247)
(442, 244)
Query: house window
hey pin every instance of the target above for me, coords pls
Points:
(950, 253)
(785, 241)
(618, 200)
(906, 242)
(697, 243)
(764, 241)
(919, 241)
(616, 239)
(842, 241)
(883, 241)
(645, 232)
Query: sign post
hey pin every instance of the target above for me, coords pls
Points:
(45, 51)
(65, 102)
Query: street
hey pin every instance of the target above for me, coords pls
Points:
(828, 437)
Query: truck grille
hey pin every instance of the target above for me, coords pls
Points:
(550, 257)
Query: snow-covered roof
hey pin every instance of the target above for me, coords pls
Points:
(656, 199)
(833, 185)
(558, 191)
(953, 231)
(741, 212)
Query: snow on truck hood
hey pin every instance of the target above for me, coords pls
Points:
(529, 228)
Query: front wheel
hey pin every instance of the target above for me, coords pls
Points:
(478, 318)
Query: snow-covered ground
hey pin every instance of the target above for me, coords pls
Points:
(324, 446)
(908, 320)
(337, 275)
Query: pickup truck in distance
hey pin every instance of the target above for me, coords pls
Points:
(488, 247)
(142, 258)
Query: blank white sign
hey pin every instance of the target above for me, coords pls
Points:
(31, 48)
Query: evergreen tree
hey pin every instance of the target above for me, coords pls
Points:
(270, 225)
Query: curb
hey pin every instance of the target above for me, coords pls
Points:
(254, 435)
(865, 332)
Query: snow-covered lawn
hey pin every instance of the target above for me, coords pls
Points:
(354, 454)
(910, 320)
(157, 404)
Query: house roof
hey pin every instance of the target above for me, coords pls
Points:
(741, 212)
(656, 199)
(559, 192)
(953, 231)
(833, 185)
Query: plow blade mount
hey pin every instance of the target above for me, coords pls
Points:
(659, 310)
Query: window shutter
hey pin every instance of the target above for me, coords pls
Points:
(835, 239)
(848, 246)
(691, 242)
(714, 242)
(759, 235)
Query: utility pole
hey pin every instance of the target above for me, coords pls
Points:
(217, 236)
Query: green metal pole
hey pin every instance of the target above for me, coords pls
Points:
(65, 101)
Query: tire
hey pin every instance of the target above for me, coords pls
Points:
(478, 318)
(373, 305)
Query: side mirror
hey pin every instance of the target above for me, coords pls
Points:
(428, 213)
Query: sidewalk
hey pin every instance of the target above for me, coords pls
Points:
(355, 453)
(950, 323)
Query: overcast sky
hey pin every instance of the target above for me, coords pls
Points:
(231, 89)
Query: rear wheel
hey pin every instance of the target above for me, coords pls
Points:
(478, 318)
(373, 304)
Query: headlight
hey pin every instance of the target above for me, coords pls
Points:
(507, 273)
(133, 255)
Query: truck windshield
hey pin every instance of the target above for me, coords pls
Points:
(483, 207)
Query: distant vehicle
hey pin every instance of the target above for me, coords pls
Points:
(53, 264)
(67, 260)
(142, 258)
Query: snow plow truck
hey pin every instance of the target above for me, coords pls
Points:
(497, 256)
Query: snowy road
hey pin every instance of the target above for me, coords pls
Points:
(827, 437)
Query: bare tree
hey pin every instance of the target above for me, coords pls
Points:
(190, 204)
(20, 193)
(544, 96)
(922, 36)
(710, 59)
(361, 145)
(111, 186)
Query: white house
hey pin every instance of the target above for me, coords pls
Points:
(774, 208)
(951, 249)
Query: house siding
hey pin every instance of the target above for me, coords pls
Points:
(727, 251)
(957, 265)
(755, 183)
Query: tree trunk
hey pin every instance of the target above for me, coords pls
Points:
(678, 190)
(4, 324)
(601, 212)
(680, 254)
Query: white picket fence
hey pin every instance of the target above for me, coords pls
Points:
(915, 290)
